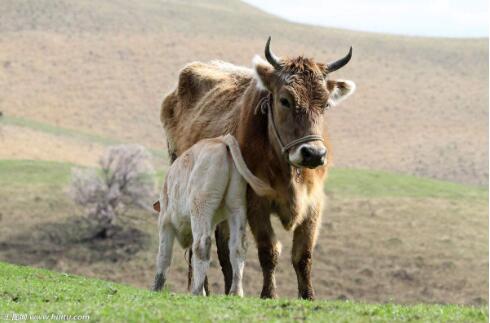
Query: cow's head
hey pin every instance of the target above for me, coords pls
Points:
(301, 94)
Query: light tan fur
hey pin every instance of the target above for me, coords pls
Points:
(204, 187)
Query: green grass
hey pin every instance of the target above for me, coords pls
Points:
(368, 183)
(341, 182)
(57, 131)
(25, 290)
(34, 172)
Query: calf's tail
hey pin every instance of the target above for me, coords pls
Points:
(259, 186)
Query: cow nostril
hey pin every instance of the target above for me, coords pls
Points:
(306, 152)
(313, 156)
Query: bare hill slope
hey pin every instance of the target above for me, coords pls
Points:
(103, 67)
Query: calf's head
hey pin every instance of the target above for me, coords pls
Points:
(301, 93)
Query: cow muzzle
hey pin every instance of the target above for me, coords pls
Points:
(308, 155)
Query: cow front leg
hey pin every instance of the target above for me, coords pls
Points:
(304, 240)
(267, 245)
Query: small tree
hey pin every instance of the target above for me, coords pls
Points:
(125, 179)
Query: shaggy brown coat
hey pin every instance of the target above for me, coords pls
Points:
(217, 98)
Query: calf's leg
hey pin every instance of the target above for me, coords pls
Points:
(201, 247)
(201, 222)
(164, 257)
(238, 249)
(237, 220)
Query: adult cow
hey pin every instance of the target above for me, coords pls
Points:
(276, 111)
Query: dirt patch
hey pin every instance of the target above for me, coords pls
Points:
(75, 240)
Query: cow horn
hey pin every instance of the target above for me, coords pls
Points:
(271, 58)
(333, 66)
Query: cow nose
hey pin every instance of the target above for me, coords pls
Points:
(313, 156)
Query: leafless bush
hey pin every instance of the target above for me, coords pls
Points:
(125, 179)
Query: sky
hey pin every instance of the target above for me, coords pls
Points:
(439, 18)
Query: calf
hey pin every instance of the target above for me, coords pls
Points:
(206, 185)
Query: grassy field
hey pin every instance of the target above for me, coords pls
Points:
(368, 183)
(25, 290)
(373, 244)
(341, 182)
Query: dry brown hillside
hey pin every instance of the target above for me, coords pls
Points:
(103, 67)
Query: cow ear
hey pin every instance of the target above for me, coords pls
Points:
(264, 73)
(156, 206)
(339, 91)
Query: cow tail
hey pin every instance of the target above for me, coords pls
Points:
(259, 186)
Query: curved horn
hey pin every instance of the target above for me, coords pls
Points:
(271, 58)
(333, 66)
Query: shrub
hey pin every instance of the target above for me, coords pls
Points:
(125, 179)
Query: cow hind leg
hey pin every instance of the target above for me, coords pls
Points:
(222, 235)
(164, 257)
(200, 259)
(238, 250)
(237, 220)
(201, 222)
(189, 276)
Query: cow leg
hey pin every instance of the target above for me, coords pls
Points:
(267, 245)
(204, 207)
(303, 243)
(237, 219)
(189, 276)
(238, 249)
(201, 248)
(222, 236)
(164, 257)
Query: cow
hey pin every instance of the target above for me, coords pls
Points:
(276, 110)
(205, 186)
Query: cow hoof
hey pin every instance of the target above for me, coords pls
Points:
(266, 295)
(158, 283)
(308, 295)
(238, 293)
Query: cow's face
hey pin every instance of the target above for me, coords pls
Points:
(301, 95)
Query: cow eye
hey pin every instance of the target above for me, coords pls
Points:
(285, 103)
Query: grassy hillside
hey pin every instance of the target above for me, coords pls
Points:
(102, 68)
(384, 237)
(77, 76)
(42, 292)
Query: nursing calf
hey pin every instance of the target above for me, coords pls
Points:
(206, 185)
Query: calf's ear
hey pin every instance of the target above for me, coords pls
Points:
(264, 74)
(156, 206)
(339, 91)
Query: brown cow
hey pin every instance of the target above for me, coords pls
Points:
(277, 112)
